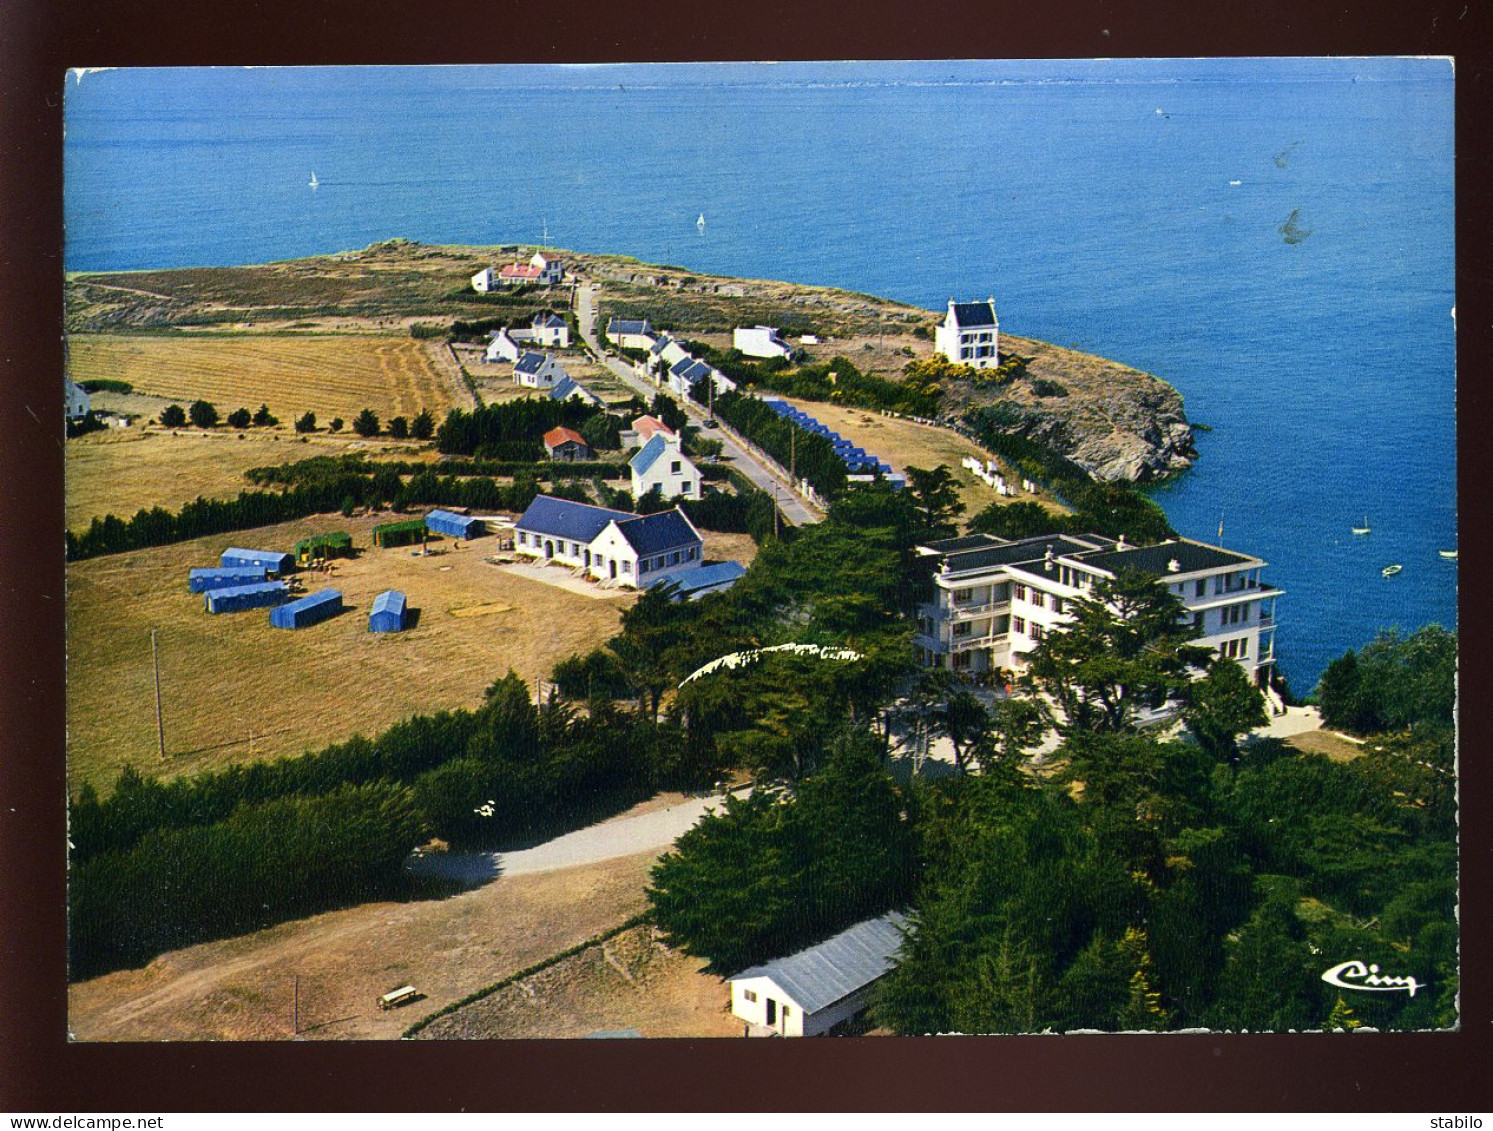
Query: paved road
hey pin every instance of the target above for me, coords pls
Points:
(762, 471)
(620, 836)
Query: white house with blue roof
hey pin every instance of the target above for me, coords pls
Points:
(550, 329)
(538, 371)
(610, 546)
(662, 463)
(808, 993)
(970, 334)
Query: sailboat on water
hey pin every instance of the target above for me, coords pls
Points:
(1364, 529)
(700, 223)
(314, 181)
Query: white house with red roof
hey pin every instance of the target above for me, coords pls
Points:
(539, 270)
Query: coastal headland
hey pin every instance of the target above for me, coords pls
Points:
(1115, 422)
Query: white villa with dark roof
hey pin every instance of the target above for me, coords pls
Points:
(538, 371)
(501, 347)
(613, 547)
(661, 463)
(970, 334)
(994, 599)
(551, 330)
(631, 335)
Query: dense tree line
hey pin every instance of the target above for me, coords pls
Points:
(810, 456)
(1394, 683)
(264, 863)
(782, 869)
(481, 431)
(838, 380)
(229, 851)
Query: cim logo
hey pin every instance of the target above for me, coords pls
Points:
(1355, 975)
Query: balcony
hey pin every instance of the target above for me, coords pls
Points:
(966, 612)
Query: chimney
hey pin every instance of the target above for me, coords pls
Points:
(1120, 545)
(1174, 566)
(1047, 560)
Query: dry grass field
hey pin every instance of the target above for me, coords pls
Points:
(235, 689)
(904, 443)
(631, 981)
(331, 375)
(242, 988)
(122, 471)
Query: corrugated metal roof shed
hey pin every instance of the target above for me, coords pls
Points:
(388, 612)
(201, 580)
(454, 525)
(308, 610)
(693, 583)
(837, 967)
(241, 597)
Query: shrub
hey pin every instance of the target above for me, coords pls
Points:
(399, 428)
(423, 426)
(335, 424)
(366, 423)
(263, 418)
(306, 423)
(202, 414)
(239, 418)
(106, 385)
(174, 416)
(1046, 387)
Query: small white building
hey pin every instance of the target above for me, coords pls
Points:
(970, 334)
(75, 400)
(485, 280)
(808, 993)
(662, 463)
(610, 546)
(538, 371)
(631, 335)
(501, 348)
(760, 341)
(551, 330)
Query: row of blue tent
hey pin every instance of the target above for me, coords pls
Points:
(242, 581)
(857, 460)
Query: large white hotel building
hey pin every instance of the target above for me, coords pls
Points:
(994, 599)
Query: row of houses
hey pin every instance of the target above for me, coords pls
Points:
(684, 370)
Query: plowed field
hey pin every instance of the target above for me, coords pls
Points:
(330, 376)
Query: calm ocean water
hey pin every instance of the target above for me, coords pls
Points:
(1094, 200)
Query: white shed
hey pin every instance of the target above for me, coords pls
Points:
(75, 399)
(760, 341)
(808, 993)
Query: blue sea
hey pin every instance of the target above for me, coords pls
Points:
(1095, 200)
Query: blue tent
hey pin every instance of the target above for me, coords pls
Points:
(388, 612)
(272, 560)
(241, 597)
(454, 525)
(201, 580)
(308, 610)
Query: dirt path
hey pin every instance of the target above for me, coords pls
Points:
(624, 835)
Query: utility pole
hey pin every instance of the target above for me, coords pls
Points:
(155, 661)
(295, 1014)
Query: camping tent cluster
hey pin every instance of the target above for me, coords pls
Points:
(243, 579)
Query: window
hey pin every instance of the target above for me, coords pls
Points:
(1200, 621)
(962, 628)
(674, 467)
(523, 539)
(627, 568)
(674, 558)
(1201, 589)
(684, 487)
(966, 353)
(1059, 605)
(750, 995)
(962, 596)
(1018, 624)
(1038, 632)
(1020, 592)
(694, 552)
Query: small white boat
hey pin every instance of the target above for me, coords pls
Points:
(1364, 529)
(313, 180)
(1391, 570)
(1236, 182)
(700, 223)
(1449, 555)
